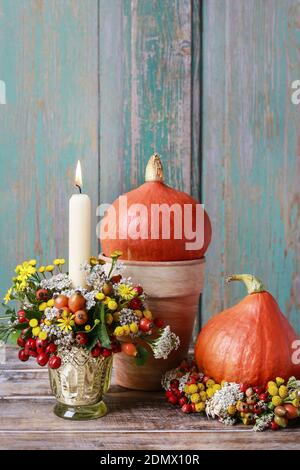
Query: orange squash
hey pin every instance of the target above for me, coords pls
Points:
(145, 247)
(251, 342)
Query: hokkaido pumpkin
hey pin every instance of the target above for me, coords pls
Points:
(150, 241)
(251, 342)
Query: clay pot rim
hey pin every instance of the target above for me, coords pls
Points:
(189, 262)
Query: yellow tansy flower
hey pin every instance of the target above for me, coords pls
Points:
(50, 303)
(210, 383)
(192, 388)
(93, 261)
(126, 329)
(33, 322)
(119, 331)
(116, 254)
(42, 306)
(43, 335)
(100, 296)
(62, 261)
(112, 305)
(133, 328)
(36, 331)
(276, 400)
(56, 262)
(32, 262)
(273, 390)
(49, 268)
(41, 269)
(47, 322)
(283, 391)
(147, 314)
(138, 313)
(87, 327)
(195, 398)
(279, 381)
(231, 410)
(200, 407)
(210, 392)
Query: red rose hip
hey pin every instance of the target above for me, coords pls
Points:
(23, 356)
(21, 342)
(138, 290)
(54, 362)
(51, 348)
(81, 338)
(145, 325)
(42, 359)
(186, 408)
(30, 344)
(96, 351)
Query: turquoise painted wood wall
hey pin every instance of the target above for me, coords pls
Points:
(207, 85)
(251, 148)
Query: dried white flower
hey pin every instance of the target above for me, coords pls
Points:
(51, 313)
(218, 404)
(263, 422)
(58, 282)
(165, 343)
(167, 377)
(127, 316)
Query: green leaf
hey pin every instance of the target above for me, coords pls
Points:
(20, 326)
(103, 335)
(94, 336)
(31, 297)
(33, 314)
(142, 355)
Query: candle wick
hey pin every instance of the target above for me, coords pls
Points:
(77, 185)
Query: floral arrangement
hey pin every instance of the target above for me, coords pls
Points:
(271, 406)
(106, 317)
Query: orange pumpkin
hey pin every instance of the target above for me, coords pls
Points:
(251, 342)
(145, 247)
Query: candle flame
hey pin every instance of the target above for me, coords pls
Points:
(78, 175)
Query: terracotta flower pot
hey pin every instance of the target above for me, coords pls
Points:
(173, 289)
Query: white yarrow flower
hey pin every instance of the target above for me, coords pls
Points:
(218, 404)
(165, 343)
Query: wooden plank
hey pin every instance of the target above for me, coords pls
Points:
(48, 56)
(131, 411)
(145, 90)
(251, 163)
(149, 441)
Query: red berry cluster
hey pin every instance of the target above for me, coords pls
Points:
(177, 397)
(98, 350)
(41, 349)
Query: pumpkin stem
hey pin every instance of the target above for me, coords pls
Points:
(252, 283)
(154, 169)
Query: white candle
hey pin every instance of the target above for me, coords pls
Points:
(79, 232)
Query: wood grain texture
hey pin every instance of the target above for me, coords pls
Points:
(251, 161)
(161, 440)
(136, 420)
(146, 96)
(48, 56)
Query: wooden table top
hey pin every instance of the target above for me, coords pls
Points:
(136, 420)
